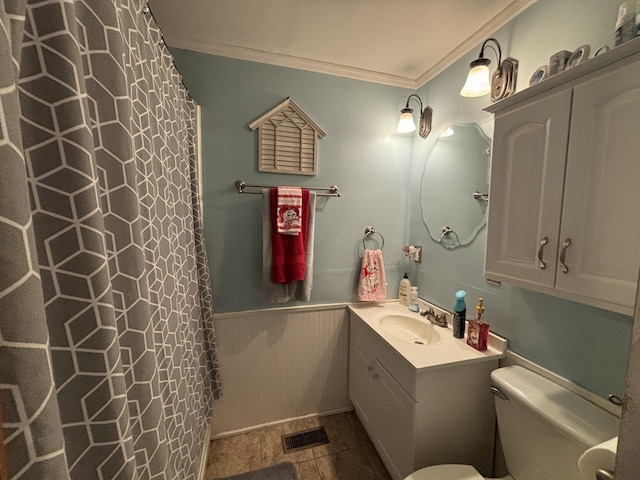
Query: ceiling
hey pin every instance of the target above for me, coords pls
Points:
(395, 42)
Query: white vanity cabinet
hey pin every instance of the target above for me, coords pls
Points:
(564, 204)
(420, 417)
(385, 409)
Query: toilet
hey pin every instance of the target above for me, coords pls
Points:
(544, 429)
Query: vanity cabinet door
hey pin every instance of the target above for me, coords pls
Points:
(395, 420)
(361, 382)
(525, 194)
(601, 213)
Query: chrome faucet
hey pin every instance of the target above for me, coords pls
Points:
(439, 320)
(427, 312)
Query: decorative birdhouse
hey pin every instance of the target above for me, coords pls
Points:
(288, 140)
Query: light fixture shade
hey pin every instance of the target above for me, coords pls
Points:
(406, 124)
(478, 82)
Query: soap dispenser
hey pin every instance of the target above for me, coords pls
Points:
(405, 290)
(478, 329)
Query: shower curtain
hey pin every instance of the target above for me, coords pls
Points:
(108, 368)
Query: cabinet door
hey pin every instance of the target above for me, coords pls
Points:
(525, 195)
(361, 381)
(601, 213)
(395, 413)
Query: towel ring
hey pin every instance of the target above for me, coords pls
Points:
(370, 231)
(446, 232)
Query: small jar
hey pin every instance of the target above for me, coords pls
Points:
(413, 302)
(626, 24)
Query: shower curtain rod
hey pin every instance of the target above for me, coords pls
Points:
(332, 191)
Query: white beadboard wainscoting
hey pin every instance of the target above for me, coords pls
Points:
(279, 364)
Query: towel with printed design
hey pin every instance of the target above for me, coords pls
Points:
(372, 285)
(289, 210)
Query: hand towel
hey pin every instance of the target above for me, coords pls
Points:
(289, 251)
(601, 456)
(290, 210)
(298, 290)
(372, 286)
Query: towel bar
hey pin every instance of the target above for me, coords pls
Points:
(242, 186)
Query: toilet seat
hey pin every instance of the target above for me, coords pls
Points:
(446, 472)
(450, 472)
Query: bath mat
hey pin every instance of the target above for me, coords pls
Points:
(280, 471)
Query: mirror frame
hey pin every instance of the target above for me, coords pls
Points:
(451, 240)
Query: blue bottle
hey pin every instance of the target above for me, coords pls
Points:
(459, 314)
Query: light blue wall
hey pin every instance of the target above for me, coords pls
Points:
(379, 174)
(361, 154)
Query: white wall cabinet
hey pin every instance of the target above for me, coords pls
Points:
(417, 418)
(564, 205)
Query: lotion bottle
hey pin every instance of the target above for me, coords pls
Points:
(478, 329)
(405, 290)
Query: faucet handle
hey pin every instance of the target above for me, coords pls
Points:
(428, 311)
(441, 320)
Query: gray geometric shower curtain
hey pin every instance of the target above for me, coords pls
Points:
(108, 367)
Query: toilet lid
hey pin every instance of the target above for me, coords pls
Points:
(446, 472)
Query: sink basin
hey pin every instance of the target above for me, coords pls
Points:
(410, 329)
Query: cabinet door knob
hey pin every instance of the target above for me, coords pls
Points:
(563, 255)
(370, 368)
(374, 376)
(541, 263)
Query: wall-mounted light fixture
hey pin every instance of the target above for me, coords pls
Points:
(406, 124)
(503, 81)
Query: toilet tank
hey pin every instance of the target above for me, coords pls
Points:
(545, 428)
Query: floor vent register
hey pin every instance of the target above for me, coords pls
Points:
(304, 439)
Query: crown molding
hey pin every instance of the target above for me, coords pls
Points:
(280, 60)
(290, 61)
(474, 40)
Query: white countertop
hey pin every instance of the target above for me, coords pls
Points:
(446, 351)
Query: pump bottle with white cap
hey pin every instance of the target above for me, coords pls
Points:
(405, 290)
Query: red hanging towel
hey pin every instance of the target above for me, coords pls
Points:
(288, 251)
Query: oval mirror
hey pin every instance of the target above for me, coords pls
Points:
(456, 167)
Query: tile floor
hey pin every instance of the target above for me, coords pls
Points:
(349, 455)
